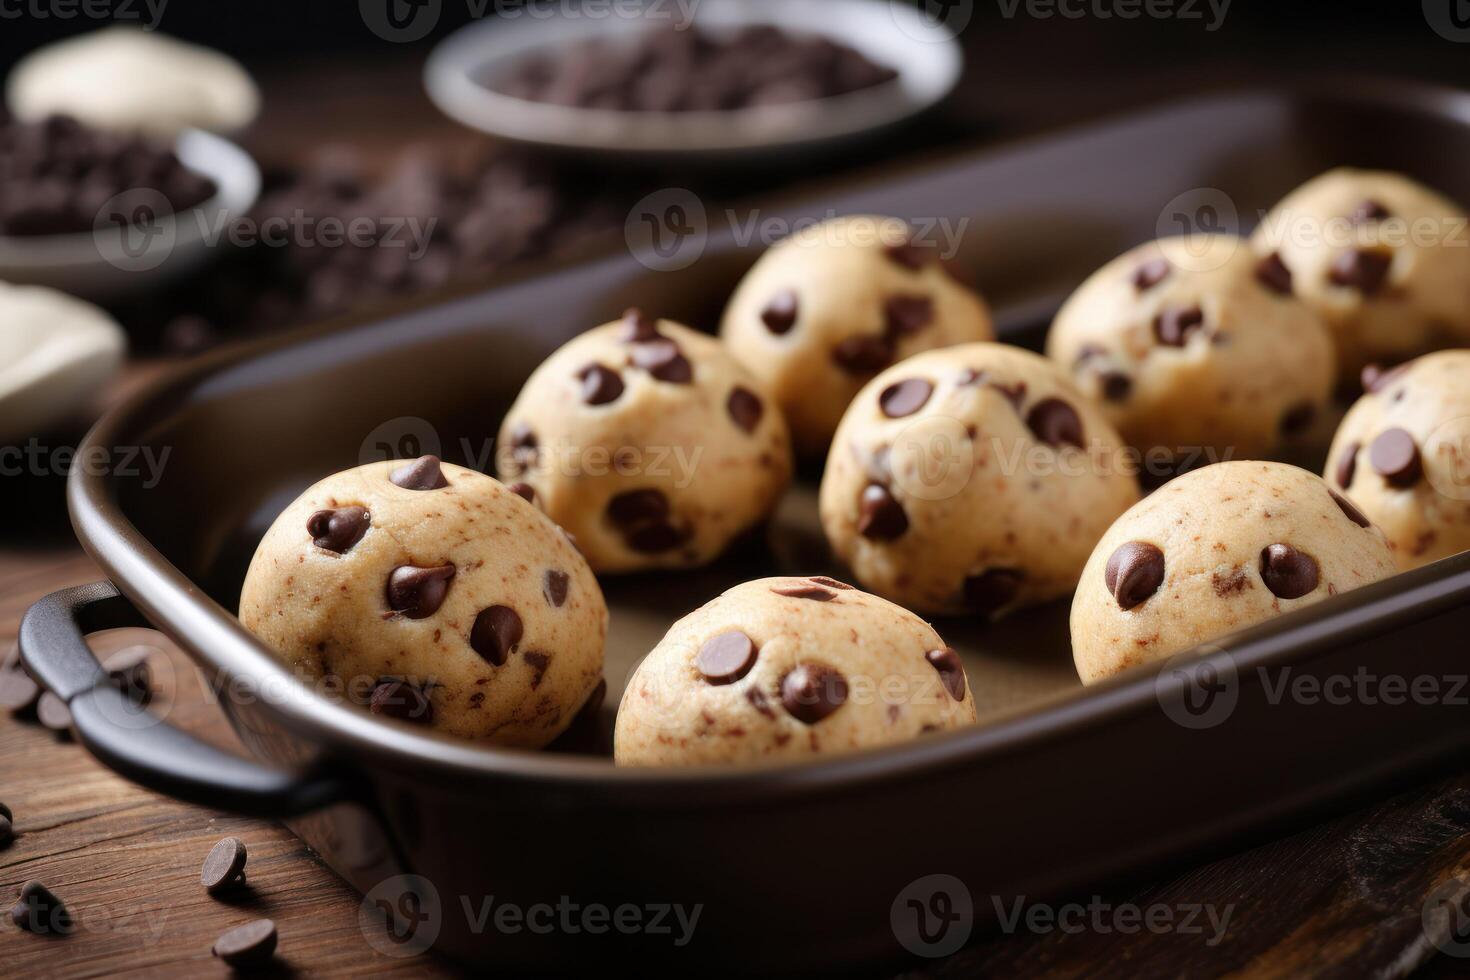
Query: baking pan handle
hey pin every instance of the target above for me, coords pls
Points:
(139, 745)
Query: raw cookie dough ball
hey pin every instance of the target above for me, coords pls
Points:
(1214, 551)
(781, 668)
(1382, 259)
(649, 443)
(434, 594)
(1402, 454)
(975, 478)
(824, 310)
(1193, 344)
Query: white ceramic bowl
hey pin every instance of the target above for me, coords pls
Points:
(925, 55)
(111, 262)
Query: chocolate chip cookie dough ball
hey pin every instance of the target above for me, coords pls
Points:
(1402, 454)
(782, 668)
(433, 594)
(973, 479)
(1194, 343)
(649, 443)
(1382, 259)
(1214, 551)
(829, 307)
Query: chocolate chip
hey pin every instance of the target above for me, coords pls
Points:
(1350, 509)
(1369, 210)
(637, 507)
(880, 516)
(523, 447)
(53, 713)
(813, 592)
(904, 397)
(1287, 572)
(247, 946)
(1365, 270)
(1395, 456)
(1272, 273)
(990, 591)
(554, 586)
(539, 662)
(423, 473)
(779, 316)
(908, 255)
(38, 910)
(811, 692)
(7, 831)
(663, 360)
(1174, 326)
(828, 581)
(638, 327)
(5, 812)
(652, 539)
(1134, 573)
(17, 691)
(745, 408)
(338, 530)
(1055, 422)
(418, 592)
(1116, 386)
(1347, 464)
(1375, 378)
(224, 868)
(523, 490)
(863, 354)
(951, 671)
(1297, 419)
(907, 315)
(397, 698)
(725, 658)
(1150, 274)
(600, 385)
(496, 633)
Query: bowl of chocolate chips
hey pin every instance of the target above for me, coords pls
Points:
(102, 214)
(741, 77)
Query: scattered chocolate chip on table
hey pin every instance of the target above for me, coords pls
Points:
(224, 867)
(249, 946)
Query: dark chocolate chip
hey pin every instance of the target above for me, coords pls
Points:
(1375, 378)
(811, 692)
(539, 662)
(1347, 464)
(637, 507)
(1272, 273)
(418, 592)
(951, 671)
(6, 813)
(638, 327)
(1365, 270)
(1116, 386)
(663, 360)
(907, 315)
(424, 473)
(7, 831)
(1395, 456)
(39, 911)
(1350, 509)
(1174, 326)
(803, 591)
(745, 408)
(880, 516)
(496, 633)
(779, 316)
(1287, 572)
(600, 384)
(1134, 573)
(904, 397)
(1015, 394)
(828, 581)
(554, 586)
(338, 530)
(1150, 274)
(863, 354)
(909, 255)
(1055, 422)
(1369, 210)
(399, 699)
(523, 490)
(53, 713)
(725, 658)
(17, 691)
(990, 591)
(224, 867)
(652, 539)
(1298, 418)
(247, 946)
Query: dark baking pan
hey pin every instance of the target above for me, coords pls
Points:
(1057, 788)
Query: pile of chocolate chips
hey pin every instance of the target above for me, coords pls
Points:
(57, 176)
(684, 70)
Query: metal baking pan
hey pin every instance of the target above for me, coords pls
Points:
(1058, 788)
